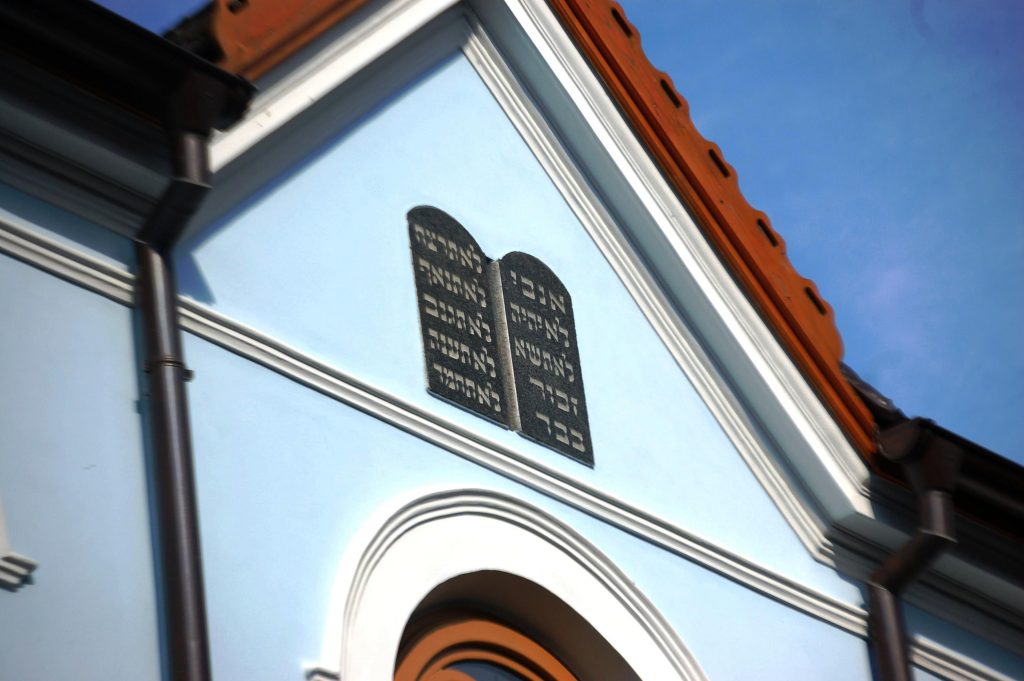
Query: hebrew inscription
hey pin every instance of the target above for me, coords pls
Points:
(456, 315)
(538, 328)
(499, 338)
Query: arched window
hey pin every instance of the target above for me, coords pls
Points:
(468, 648)
(477, 585)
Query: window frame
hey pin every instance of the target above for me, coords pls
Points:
(470, 638)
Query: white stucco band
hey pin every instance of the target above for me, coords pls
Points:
(444, 535)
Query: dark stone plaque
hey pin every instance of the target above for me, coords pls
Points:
(536, 322)
(456, 309)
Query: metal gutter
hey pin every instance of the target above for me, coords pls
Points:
(192, 114)
(931, 464)
(180, 558)
(143, 78)
(953, 480)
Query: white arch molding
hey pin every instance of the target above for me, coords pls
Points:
(440, 536)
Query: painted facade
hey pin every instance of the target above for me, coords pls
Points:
(337, 498)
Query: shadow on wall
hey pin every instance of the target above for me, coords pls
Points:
(531, 609)
(243, 187)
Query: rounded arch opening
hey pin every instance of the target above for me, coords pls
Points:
(471, 546)
(520, 607)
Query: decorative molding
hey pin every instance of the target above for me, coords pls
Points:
(379, 34)
(627, 264)
(312, 81)
(118, 285)
(510, 536)
(21, 242)
(500, 459)
(15, 569)
(947, 664)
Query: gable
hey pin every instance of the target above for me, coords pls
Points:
(783, 426)
(318, 258)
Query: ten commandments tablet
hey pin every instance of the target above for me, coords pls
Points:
(499, 338)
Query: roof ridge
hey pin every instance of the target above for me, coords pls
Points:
(743, 236)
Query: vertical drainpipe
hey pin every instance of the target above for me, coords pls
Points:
(183, 610)
(931, 465)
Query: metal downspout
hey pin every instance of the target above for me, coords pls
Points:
(181, 577)
(931, 465)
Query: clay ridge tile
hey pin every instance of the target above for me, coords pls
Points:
(256, 36)
(791, 305)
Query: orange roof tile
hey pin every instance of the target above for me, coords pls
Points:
(790, 304)
(255, 37)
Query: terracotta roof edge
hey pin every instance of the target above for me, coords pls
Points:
(744, 237)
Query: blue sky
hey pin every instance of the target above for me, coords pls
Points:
(884, 138)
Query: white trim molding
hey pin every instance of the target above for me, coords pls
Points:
(18, 240)
(696, 308)
(442, 536)
(645, 291)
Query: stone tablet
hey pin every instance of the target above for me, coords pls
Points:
(538, 333)
(456, 312)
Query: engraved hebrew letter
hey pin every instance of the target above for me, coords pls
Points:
(540, 333)
(456, 314)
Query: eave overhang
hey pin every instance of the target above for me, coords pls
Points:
(87, 102)
(112, 58)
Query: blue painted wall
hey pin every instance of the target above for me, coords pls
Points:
(320, 260)
(72, 482)
(287, 476)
